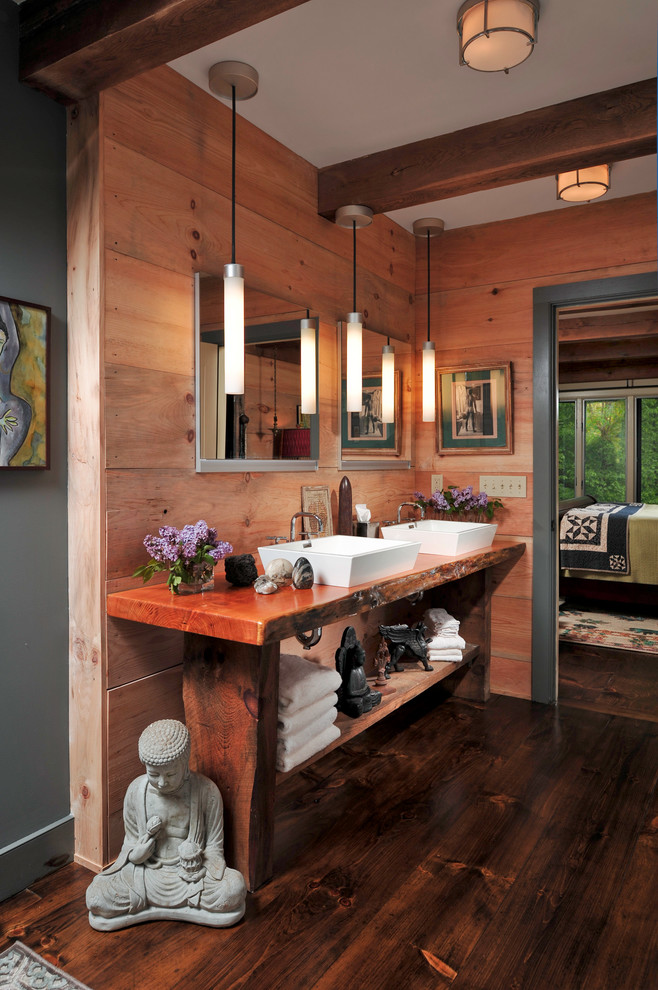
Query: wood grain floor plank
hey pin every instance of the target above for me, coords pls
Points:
(454, 844)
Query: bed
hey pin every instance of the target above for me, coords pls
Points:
(633, 575)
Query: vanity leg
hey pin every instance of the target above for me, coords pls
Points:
(230, 693)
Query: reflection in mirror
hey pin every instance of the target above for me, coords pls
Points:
(266, 424)
(365, 437)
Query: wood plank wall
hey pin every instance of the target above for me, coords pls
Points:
(149, 175)
(482, 281)
(161, 183)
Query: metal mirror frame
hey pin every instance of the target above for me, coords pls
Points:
(376, 462)
(242, 464)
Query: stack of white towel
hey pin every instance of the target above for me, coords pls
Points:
(445, 644)
(307, 710)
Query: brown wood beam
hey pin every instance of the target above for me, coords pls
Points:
(633, 324)
(610, 352)
(71, 49)
(604, 127)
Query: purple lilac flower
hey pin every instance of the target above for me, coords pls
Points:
(439, 501)
(222, 549)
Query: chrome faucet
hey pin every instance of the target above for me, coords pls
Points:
(414, 505)
(299, 515)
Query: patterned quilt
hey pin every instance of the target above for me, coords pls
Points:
(596, 538)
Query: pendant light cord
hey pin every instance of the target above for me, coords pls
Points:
(354, 266)
(233, 176)
(428, 285)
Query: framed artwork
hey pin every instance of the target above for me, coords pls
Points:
(316, 498)
(475, 413)
(24, 346)
(363, 432)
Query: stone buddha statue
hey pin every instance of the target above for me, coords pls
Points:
(171, 865)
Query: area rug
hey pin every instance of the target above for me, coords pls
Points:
(614, 631)
(23, 969)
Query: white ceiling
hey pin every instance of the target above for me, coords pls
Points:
(343, 78)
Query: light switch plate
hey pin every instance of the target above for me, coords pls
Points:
(504, 485)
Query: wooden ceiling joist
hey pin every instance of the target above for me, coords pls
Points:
(71, 49)
(607, 127)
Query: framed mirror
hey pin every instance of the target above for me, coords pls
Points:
(366, 441)
(264, 429)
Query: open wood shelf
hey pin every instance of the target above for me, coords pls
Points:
(408, 684)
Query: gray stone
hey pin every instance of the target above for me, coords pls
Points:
(302, 573)
(279, 570)
(263, 586)
(171, 865)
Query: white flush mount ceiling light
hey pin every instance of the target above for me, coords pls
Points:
(583, 184)
(354, 216)
(496, 35)
(233, 81)
(428, 227)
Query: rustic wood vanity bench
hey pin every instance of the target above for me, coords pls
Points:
(231, 669)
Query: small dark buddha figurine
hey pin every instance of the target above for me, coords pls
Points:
(382, 661)
(355, 696)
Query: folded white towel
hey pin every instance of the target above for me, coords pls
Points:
(301, 682)
(288, 761)
(445, 656)
(446, 643)
(288, 724)
(440, 623)
(291, 743)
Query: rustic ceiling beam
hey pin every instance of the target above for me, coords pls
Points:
(601, 128)
(71, 49)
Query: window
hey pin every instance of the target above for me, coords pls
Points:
(608, 444)
(647, 449)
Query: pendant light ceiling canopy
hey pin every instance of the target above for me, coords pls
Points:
(233, 81)
(354, 217)
(428, 227)
(583, 184)
(496, 35)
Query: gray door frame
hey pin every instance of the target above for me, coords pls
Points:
(547, 300)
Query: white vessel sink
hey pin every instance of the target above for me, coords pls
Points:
(442, 537)
(348, 560)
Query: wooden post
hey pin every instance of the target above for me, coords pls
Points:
(230, 693)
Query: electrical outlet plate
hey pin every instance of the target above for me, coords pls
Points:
(436, 483)
(503, 485)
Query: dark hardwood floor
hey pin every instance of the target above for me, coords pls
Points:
(613, 681)
(506, 846)
(618, 682)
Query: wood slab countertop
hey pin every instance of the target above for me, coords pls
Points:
(240, 615)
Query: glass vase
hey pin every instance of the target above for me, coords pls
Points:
(201, 578)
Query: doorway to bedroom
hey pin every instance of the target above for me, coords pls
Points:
(607, 475)
(608, 339)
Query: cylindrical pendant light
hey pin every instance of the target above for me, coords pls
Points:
(234, 81)
(496, 35)
(234, 329)
(354, 216)
(428, 227)
(307, 346)
(583, 184)
(388, 383)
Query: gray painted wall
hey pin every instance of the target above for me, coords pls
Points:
(36, 829)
